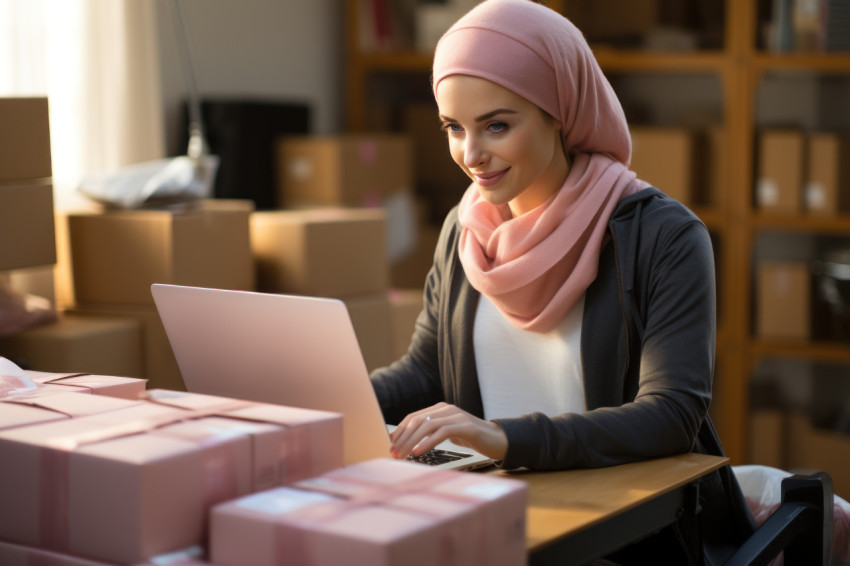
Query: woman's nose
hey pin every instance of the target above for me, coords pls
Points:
(474, 154)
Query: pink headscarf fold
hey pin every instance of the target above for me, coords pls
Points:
(535, 267)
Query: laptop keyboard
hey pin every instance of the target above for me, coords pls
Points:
(435, 457)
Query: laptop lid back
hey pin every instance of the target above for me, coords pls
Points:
(283, 349)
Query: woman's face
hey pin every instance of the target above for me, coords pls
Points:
(507, 146)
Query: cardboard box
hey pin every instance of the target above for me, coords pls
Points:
(158, 364)
(106, 385)
(371, 317)
(783, 300)
(24, 139)
(312, 443)
(21, 555)
(768, 438)
(780, 171)
(666, 158)
(412, 269)
(27, 411)
(128, 474)
(38, 281)
(105, 346)
(377, 512)
(117, 255)
(26, 223)
(356, 170)
(321, 252)
(813, 448)
(405, 306)
(828, 180)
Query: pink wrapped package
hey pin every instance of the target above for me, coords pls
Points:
(19, 555)
(380, 512)
(147, 474)
(304, 442)
(16, 383)
(35, 410)
(109, 385)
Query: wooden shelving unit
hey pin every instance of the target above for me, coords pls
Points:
(740, 67)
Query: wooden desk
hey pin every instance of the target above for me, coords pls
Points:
(580, 515)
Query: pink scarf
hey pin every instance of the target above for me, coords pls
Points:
(535, 267)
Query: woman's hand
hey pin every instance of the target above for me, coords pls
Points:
(423, 430)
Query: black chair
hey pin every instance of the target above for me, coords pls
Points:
(801, 526)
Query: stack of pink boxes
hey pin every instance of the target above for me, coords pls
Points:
(96, 471)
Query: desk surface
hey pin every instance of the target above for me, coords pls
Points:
(564, 503)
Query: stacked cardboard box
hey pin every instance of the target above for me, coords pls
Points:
(28, 253)
(146, 471)
(115, 256)
(350, 220)
(379, 512)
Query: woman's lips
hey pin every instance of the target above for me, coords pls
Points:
(488, 179)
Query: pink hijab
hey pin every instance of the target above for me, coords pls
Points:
(537, 266)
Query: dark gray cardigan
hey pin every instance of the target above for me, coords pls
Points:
(648, 344)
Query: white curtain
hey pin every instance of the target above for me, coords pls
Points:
(97, 62)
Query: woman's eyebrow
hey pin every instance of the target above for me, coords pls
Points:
(485, 116)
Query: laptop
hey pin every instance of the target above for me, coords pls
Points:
(290, 350)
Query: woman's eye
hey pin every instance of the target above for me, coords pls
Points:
(451, 128)
(497, 127)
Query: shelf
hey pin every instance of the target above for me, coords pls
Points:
(609, 59)
(815, 351)
(803, 62)
(795, 223)
(643, 61)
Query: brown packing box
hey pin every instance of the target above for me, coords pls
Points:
(813, 448)
(117, 255)
(159, 366)
(372, 320)
(405, 305)
(343, 170)
(326, 252)
(780, 170)
(768, 437)
(828, 179)
(412, 269)
(26, 222)
(665, 158)
(38, 281)
(783, 300)
(106, 346)
(24, 139)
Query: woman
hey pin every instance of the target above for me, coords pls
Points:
(569, 316)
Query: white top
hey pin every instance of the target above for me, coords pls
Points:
(521, 372)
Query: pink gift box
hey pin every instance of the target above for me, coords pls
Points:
(41, 409)
(148, 474)
(19, 555)
(311, 445)
(380, 512)
(109, 385)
